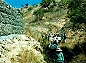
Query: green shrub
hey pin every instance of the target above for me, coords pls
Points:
(79, 59)
(84, 47)
(46, 3)
(78, 50)
(30, 8)
(39, 13)
(77, 11)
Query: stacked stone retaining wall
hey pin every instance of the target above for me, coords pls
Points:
(11, 21)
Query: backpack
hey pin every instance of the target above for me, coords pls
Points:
(53, 46)
(60, 57)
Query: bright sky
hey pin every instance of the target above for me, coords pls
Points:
(17, 3)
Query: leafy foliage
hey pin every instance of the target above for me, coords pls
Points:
(65, 1)
(70, 53)
(39, 13)
(46, 3)
(77, 11)
(30, 8)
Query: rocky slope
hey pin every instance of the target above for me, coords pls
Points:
(11, 21)
(56, 21)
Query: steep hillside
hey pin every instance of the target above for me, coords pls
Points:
(54, 20)
(74, 49)
(50, 16)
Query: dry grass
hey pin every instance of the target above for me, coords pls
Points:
(79, 59)
(28, 56)
(54, 22)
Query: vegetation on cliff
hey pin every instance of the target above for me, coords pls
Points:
(59, 16)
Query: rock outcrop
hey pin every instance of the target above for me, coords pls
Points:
(11, 21)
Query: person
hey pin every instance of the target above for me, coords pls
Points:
(53, 48)
(46, 35)
(49, 36)
(59, 38)
(59, 56)
(56, 41)
(64, 37)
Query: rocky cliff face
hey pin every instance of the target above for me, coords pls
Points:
(11, 21)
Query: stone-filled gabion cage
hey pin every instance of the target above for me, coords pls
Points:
(11, 21)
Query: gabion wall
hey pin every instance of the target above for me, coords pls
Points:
(11, 21)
